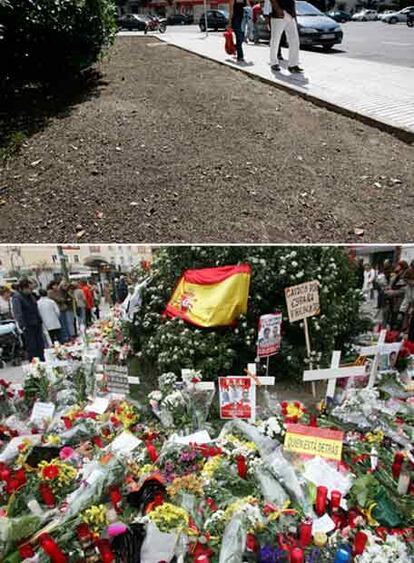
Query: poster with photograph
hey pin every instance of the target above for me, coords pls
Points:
(237, 397)
(269, 334)
(389, 355)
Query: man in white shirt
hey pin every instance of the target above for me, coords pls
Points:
(50, 315)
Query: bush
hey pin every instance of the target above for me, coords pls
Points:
(170, 344)
(42, 41)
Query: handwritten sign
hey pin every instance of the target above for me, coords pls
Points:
(42, 412)
(117, 379)
(315, 441)
(302, 300)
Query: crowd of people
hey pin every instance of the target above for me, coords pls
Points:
(280, 17)
(391, 289)
(58, 312)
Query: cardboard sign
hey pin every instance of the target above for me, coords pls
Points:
(315, 441)
(99, 405)
(41, 412)
(237, 397)
(125, 443)
(269, 334)
(117, 379)
(302, 300)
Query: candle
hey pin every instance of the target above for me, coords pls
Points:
(396, 469)
(305, 533)
(336, 519)
(399, 457)
(360, 541)
(403, 483)
(352, 514)
(342, 556)
(335, 500)
(296, 555)
(320, 503)
(313, 421)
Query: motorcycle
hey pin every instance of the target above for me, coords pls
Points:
(156, 24)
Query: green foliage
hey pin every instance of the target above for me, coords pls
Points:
(168, 345)
(42, 41)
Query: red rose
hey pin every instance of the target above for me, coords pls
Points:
(97, 440)
(50, 472)
(251, 543)
(20, 476)
(115, 496)
(12, 486)
(20, 392)
(114, 421)
(67, 422)
(26, 551)
(4, 383)
(47, 494)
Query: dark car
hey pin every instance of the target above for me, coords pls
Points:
(339, 16)
(216, 19)
(180, 19)
(132, 21)
(315, 28)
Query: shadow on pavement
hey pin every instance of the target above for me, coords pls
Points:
(28, 110)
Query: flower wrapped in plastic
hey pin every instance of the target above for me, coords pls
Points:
(264, 444)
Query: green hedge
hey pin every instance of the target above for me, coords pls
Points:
(42, 41)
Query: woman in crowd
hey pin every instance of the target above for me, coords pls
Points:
(394, 295)
(50, 315)
(5, 309)
(29, 321)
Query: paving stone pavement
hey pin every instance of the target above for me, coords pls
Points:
(378, 92)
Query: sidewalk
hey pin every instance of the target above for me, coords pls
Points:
(376, 92)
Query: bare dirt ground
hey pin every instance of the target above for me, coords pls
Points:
(167, 147)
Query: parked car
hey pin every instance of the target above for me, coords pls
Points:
(410, 19)
(365, 15)
(180, 19)
(396, 17)
(132, 21)
(315, 28)
(216, 19)
(339, 16)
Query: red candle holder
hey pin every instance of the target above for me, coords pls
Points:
(335, 500)
(321, 497)
(360, 542)
(399, 457)
(396, 469)
(313, 421)
(305, 533)
(297, 555)
(352, 515)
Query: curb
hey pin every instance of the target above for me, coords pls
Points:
(402, 134)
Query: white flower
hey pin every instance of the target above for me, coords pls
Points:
(155, 395)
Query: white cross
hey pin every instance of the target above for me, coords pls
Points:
(378, 350)
(333, 373)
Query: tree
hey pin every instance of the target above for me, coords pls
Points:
(169, 344)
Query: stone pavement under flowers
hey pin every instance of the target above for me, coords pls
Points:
(378, 93)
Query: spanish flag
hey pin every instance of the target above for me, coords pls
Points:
(211, 296)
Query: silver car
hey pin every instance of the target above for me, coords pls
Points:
(395, 17)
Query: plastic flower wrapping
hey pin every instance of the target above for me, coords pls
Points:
(113, 479)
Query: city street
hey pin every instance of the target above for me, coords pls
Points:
(371, 41)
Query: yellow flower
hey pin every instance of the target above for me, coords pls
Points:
(237, 442)
(96, 517)
(237, 505)
(53, 440)
(211, 466)
(169, 517)
(368, 514)
(58, 473)
(375, 437)
(292, 410)
(188, 483)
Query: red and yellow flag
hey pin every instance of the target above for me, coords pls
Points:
(211, 296)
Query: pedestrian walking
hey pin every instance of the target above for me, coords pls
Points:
(29, 321)
(50, 314)
(236, 12)
(394, 295)
(369, 278)
(66, 291)
(54, 292)
(256, 13)
(283, 19)
(267, 13)
(247, 24)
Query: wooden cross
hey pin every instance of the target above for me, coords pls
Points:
(333, 373)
